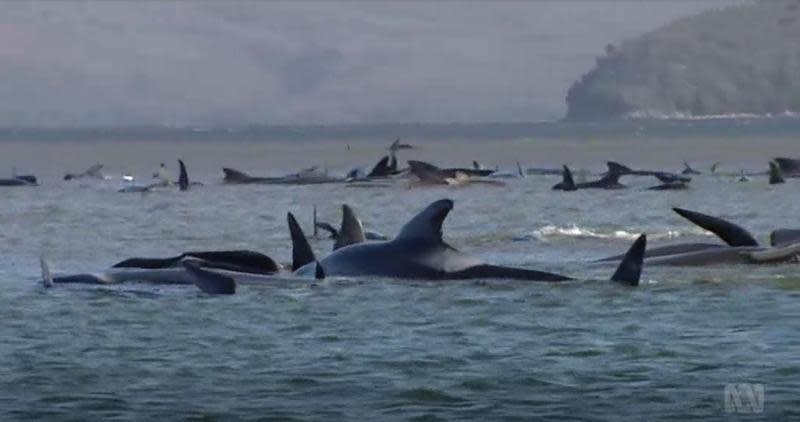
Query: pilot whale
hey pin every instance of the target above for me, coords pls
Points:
(609, 181)
(189, 271)
(732, 234)
(740, 246)
(419, 252)
(236, 260)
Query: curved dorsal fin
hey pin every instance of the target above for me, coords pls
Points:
(428, 223)
(351, 231)
(730, 233)
(615, 167)
(302, 253)
(381, 168)
(183, 179)
(630, 268)
(233, 174)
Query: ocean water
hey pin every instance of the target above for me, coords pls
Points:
(386, 349)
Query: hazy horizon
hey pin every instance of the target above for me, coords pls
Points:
(212, 64)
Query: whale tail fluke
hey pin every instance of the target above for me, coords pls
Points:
(630, 269)
(209, 282)
(183, 179)
(302, 253)
(47, 276)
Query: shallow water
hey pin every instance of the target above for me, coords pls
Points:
(383, 349)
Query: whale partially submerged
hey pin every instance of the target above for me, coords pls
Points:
(775, 174)
(164, 184)
(244, 261)
(609, 181)
(93, 172)
(427, 174)
(418, 252)
(20, 180)
(789, 166)
(310, 176)
(739, 247)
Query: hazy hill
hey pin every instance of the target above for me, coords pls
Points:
(740, 59)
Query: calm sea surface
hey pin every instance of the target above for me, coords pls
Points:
(384, 349)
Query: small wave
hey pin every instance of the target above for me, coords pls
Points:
(681, 116)
(575, 231)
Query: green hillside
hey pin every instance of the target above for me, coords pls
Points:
(741, 59)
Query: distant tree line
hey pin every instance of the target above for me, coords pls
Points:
(740, 59)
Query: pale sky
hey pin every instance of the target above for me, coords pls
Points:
(221, 63)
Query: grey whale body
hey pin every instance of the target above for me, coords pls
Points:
(419, 253)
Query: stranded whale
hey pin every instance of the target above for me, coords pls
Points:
(419, 252)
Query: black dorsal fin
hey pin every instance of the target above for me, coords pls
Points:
(183, 179)
(428, 223)
(381, 168)
(615, 167)
(302, 253)
(568, 180)
(630, 268)
(730, 233)
(351, 231)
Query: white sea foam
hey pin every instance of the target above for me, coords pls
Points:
(676, 115)
(550, 231)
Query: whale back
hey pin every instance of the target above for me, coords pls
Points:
(233, 175)
(788, 165)
(784, 237)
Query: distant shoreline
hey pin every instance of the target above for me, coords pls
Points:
(725, 126)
